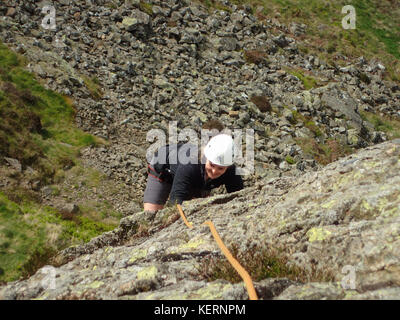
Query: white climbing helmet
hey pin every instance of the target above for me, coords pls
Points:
(220, 150)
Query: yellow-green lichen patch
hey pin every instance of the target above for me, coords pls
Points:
(213, 291)
(281, 227)
(382, 203)
(392, 212)
(304, 293)
(357, 175)
(350, 294)
(42, 297)
(147, 273)
(365, 211)
(372, 164)
(343, 180)
(177, 296)
(328, 205)
(318, 234)
(191, 245)
(150, 296)
(138, 254)
(129, 21)
(365, 205)
(96, 284)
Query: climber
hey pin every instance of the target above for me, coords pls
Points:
(188, 179)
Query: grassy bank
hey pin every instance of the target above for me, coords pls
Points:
(37, 129)
(36, 124)
(31, 234)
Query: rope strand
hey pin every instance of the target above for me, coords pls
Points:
(242, 272)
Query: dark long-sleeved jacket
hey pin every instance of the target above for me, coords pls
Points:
(188, 180)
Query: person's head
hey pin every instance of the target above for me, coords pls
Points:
(214, 171)
(219, 153)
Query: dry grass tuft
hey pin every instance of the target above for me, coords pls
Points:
(260, 263)
(255, 56)
(262, 102)
(213, 124)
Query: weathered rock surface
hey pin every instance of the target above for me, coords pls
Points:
(345, 216)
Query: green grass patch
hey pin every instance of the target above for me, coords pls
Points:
(313, 128)
(37, 128)
(146, 7)
(308, 123)
(390, 126)
(290, 160)
(308, 81)
(101, 212)
(375, 19)
(212, 5)
(143, 6)
(93, 85)
(324, 152)
(36, 124)
(111, 5)
(31, 234)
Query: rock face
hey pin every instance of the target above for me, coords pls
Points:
(344, 218)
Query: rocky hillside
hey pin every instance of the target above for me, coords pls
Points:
(131, 66)
(340, 223)
(135, 66)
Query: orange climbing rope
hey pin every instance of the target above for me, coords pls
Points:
(242, 272)
(189, 225)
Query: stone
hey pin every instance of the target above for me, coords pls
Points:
(71, 208)
(281, 41)
(228, 44)
(130, 23)
(11, 12)
(47, 191)
(191, 36)
(138, 24)
(342, 102)
(14, 163)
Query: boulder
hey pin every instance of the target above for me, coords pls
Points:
(340, 101)
(139, 24)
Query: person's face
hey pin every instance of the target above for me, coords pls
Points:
(214, 171)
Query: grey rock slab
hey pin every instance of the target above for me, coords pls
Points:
(341, 101)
